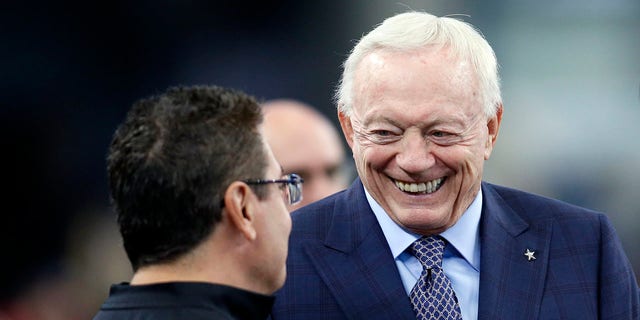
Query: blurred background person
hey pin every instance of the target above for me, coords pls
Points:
(306, 142)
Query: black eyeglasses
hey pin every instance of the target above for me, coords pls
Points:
(293, 183)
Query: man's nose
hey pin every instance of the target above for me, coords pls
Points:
(415, 153)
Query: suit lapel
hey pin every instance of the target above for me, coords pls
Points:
(511, 284)
(356, 264)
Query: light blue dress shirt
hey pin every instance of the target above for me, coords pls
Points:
(461, 261)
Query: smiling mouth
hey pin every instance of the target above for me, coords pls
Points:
(420, 187)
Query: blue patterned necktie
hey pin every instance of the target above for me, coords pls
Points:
(433, 296)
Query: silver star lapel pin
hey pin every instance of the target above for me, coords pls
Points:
(529, 254)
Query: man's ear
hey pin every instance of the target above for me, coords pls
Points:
(239, 202)
(347, 128)
(493, 127)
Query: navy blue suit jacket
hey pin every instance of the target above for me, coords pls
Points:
(340, 265)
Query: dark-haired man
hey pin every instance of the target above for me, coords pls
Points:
(202, 208)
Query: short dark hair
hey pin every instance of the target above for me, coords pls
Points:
(171, 161)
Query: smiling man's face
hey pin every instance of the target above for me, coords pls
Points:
(419, 135)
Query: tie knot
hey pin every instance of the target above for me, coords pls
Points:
(429, 251)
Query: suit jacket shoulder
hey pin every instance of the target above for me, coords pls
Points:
(577, 270)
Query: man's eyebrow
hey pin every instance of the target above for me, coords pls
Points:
(367, 122)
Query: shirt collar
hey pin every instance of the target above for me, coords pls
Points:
(463, 235)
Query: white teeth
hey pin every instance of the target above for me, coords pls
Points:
(424, 187)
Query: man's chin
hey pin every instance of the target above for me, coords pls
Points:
(425, 223)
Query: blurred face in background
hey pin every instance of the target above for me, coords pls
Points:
(419, 135)
(306, 143)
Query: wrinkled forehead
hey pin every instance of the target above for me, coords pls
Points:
(411, 79)
(432, 56)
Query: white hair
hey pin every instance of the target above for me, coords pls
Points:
(414, 30)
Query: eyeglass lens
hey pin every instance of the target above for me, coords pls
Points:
(294, 189)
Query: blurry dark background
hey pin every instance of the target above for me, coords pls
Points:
(70, 70)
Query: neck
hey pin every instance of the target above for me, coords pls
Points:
(225, 263)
